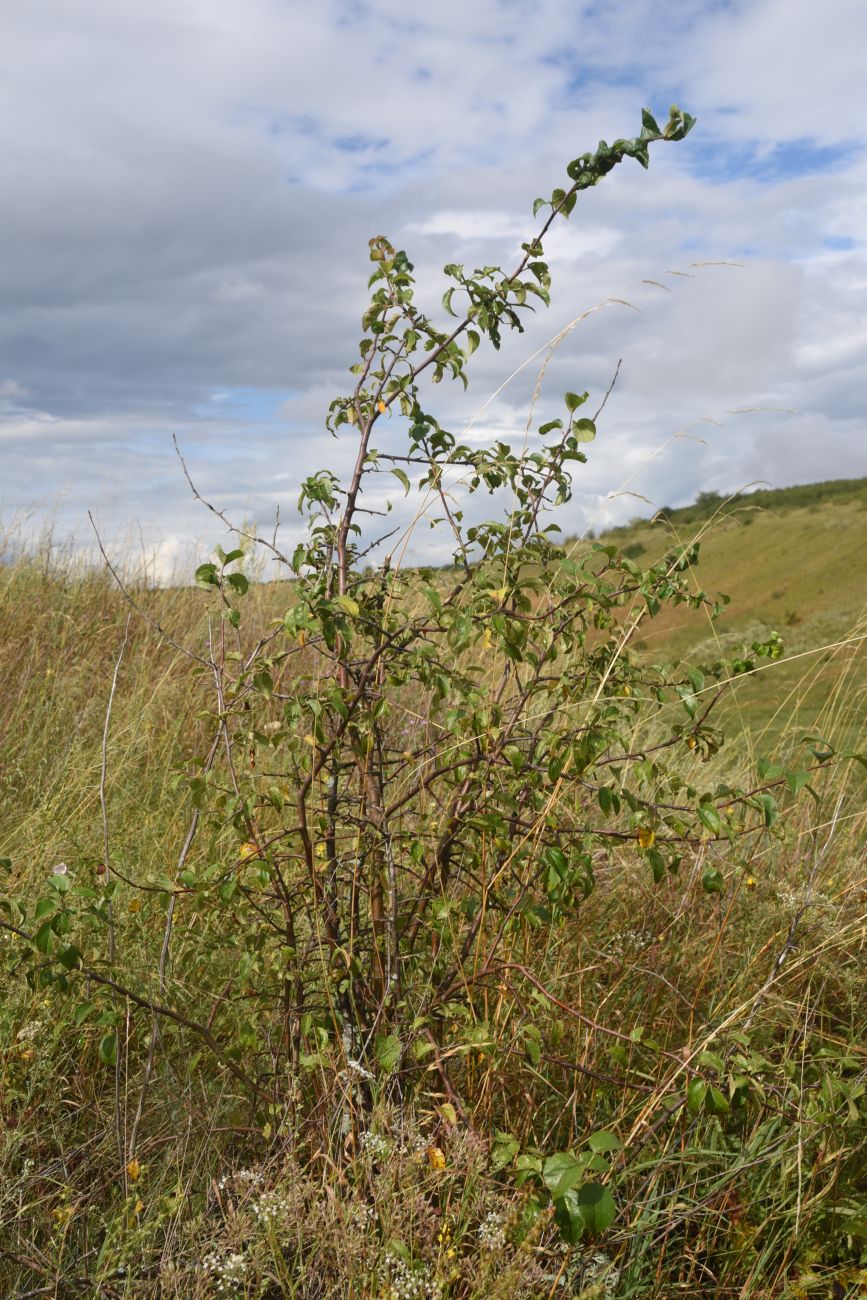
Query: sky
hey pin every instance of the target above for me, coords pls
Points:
(190, 185)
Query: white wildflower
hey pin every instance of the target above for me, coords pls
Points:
(492, 1232)
(409, 1281)
(270, 1207)
(375, 1145)
(228, 1272)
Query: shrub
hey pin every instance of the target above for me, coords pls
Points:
(415, 777)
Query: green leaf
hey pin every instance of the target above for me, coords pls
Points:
(562, 1171)
(710, 818)
(402, 477)
(82, 1011)
(43, 939)
(604, 1140)
(504, 1150)
(796, 781)
(584, 430)
(264, 683)
(239, 583)
(388, 1051)
(695, 1095)
(716, 1103)
(574, 400)
(596, 1207)
(713, 881)
(108, 1049)
(206, 576)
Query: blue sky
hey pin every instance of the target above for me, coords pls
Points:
(190, 186)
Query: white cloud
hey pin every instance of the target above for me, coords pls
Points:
(190, 190)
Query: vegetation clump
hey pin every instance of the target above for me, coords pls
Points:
(436, 997)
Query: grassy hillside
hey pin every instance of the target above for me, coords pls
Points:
(794, 561)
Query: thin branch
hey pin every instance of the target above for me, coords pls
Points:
(190, 654)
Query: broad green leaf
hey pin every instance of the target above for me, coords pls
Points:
(596, 1207)
(108, 1049)
(506, 1147)
(710, 818)
(604, 1140)
(206, 576)
(713, 881)
(562, 1171)
(716, 1103)
(695, 1095)
(388, 1051)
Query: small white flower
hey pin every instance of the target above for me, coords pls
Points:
(228, 1271)
(492, 1232)
(270, 1207)
(374, 1145)
(61, 869)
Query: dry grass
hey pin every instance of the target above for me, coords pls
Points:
(596, 1025)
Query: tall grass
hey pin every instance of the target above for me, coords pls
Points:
(593, 1025)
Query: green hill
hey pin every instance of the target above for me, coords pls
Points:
(793, 561)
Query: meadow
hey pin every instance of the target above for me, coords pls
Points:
(759, 985)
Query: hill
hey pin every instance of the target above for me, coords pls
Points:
(792, 560)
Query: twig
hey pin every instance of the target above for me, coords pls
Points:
(159, 1009)
(190, 654)
(111, 933)
(240, 532)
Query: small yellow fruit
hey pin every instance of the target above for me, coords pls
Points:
(134, 905)
(436, 1158)
(133, 1170)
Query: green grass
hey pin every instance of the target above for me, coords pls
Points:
(790, 567)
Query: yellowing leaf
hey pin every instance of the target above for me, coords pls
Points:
(248, 850)
(133, 1171)
(646, 838)
(436, 1158)
(348, 605)
(134, 905)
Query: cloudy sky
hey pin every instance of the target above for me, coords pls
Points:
(189, 187)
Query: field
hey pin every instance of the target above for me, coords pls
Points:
(692, 1038)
